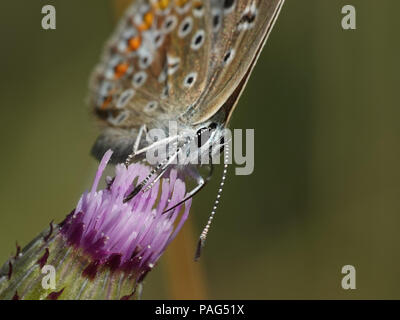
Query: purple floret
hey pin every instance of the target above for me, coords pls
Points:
(132, 235)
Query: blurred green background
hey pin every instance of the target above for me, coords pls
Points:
(326, 186)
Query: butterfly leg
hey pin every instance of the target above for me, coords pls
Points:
(129, 160)
(142, 129)
(160, 169)
(163, 166)
(201, 182)
(156, 144)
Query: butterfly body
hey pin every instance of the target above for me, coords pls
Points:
(176, 60)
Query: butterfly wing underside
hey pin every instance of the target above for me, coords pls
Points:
(238, 40)
(175, 59)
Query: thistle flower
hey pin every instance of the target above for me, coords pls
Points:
(105, 247)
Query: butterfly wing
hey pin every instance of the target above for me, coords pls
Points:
(175, 59)
(241, 29)
(153, 67)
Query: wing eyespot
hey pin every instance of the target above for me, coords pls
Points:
(139, 79)
(228, 57)
(216, 20)
(190, 80)
(198, 40)
(151, 107)
(169, 24)
(119, 119)
(185, 27)
(124, 98)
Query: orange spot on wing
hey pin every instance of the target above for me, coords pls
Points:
(120, 69)
(163, 4)
(134, 43)
(198, 5)
(148, 19)
(106, 102)
(181, 3)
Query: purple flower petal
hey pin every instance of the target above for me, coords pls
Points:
(133, 235)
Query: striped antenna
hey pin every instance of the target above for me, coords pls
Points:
(204, 233)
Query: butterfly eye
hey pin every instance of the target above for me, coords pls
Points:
(212, 126)
(204, 134)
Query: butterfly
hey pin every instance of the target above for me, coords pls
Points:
(181, 60)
